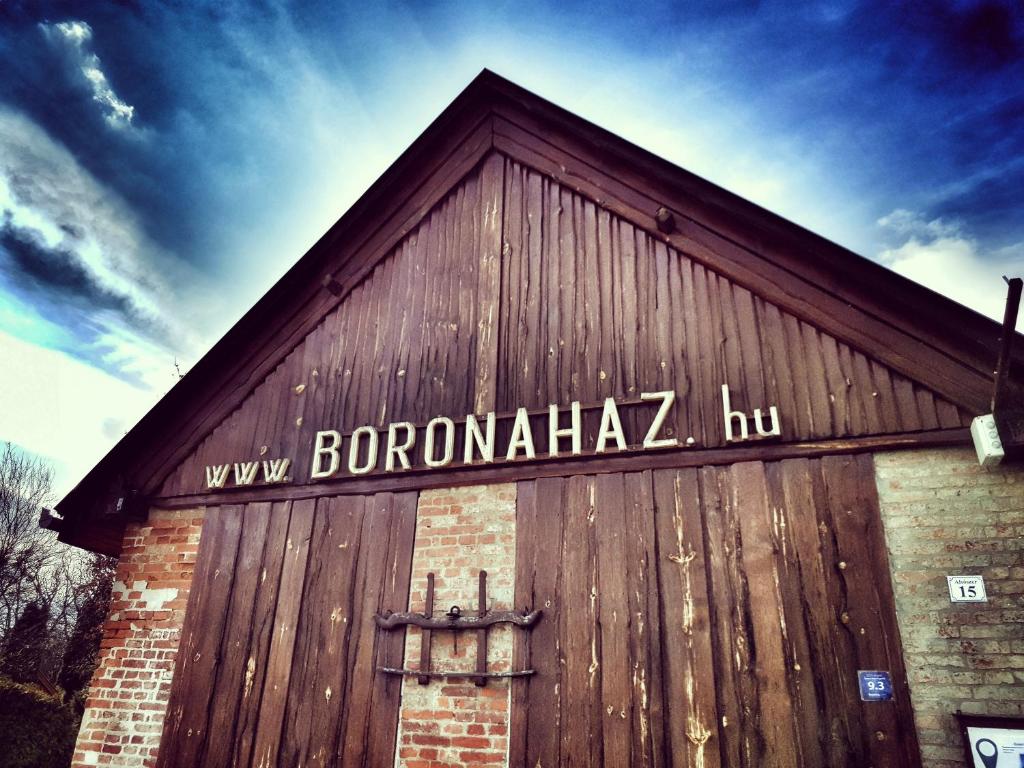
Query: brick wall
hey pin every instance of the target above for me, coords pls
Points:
(453, 722)
(946, 515)
(128, 695)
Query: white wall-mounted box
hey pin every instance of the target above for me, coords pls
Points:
(986, 440)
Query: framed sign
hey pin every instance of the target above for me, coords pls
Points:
(992, 742)
(875, 685)
(966, 589)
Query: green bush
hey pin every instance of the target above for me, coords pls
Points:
(36, 730)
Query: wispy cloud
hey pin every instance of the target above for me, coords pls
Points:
(73, 254)
(75, 38)
(942, 255)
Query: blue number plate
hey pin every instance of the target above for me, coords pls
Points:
(874, 685)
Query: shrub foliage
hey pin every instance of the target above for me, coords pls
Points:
(36, 730)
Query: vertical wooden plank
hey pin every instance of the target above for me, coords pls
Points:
(552, 257)
(772, 702)
(709, 367)
(805, 413)
(837, 384)
(512, 343)
(587, 278)
(886, 398)
(691, 720)
(823, 681)
(317, 681)
(867, 491)
(560, 308)
(730, 639)
(275, 691)
(926, 407)
(369, 588)
(523, 591)
(750, 349)
(629, 328)
(855, 392)
(817, 379)
(868, 616)
(906, 403)
(699, 404)
(865, 384)
(947, 413)
(228, 684)
(685, 422)
(489, 290)
(260, 636)
(534, 271)
(411, 407)
(609, 382)
(199, 656)
(730, 345)
(537, 702)
(650, 709)
(779, 374)
(581, 734)
(663, 362)
(613, 618)
(789, 518)
(385, 697)
(463, 313)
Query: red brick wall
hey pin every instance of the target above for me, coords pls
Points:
(944, 516)
(451, 723)
(128, 696)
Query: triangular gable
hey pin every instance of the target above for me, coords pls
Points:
(589, 307)
(845, 307)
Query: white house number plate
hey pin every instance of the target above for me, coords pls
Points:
(967, 589)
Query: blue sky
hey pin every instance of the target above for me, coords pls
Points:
(161, 164)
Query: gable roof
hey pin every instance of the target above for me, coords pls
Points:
(917, 332)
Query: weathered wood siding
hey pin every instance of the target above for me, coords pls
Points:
(593, 307)
(279, 649)
(517, 291)
(712, 617)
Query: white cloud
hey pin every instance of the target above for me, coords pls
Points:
(44, 188)
(940, 255)
(75, 37)
(68, 412)
(909, 224)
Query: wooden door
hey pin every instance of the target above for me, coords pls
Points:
(278, 654)
(708, 617)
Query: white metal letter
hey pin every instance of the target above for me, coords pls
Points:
(611, 426)
(371, 451)
(667, 399)
(275, 470)
(449, 442)
(776, 426)
(393, 449)
(574, 431)
(475, 437)
(730, 415)
(215, 476)
(321, 449)
(245, 472)
(522, 436)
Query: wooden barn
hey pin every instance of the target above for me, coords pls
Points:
(552, 453)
